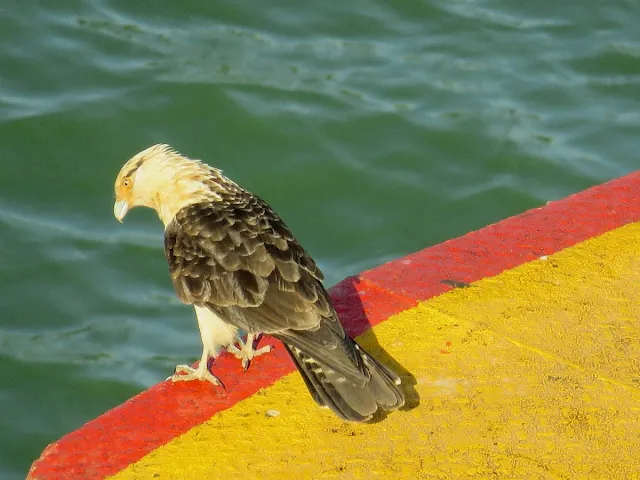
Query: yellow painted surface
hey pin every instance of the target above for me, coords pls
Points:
(534, 373)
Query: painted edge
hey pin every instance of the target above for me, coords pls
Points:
(128, 432)
(513, 241)
(125, 434)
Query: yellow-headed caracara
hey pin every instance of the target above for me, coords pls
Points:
(237, 263)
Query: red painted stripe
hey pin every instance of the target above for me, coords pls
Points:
(511, 242)
(130, 431)
(125, 434)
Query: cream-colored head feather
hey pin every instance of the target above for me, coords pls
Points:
(162, 179)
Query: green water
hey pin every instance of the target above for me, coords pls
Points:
(374, 128)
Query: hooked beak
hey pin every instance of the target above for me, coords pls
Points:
(120, 209)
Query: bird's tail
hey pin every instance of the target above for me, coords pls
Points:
(346, 379)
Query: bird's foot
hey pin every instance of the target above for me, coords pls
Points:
(246, 352)
(184, 373)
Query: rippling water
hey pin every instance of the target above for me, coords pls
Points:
(374, 128)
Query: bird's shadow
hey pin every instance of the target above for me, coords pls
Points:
(349, 298)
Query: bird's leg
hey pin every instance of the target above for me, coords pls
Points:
(246, 352)
(185, 372)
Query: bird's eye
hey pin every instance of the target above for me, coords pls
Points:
(126, 182)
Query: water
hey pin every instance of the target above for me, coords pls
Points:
(374, 128)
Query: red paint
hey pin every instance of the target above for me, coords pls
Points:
(445, 351)
(130, 431)
(511, 242)
(125, 434)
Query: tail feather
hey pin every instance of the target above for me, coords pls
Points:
(355, 396)
(384, 382)
(338, 397)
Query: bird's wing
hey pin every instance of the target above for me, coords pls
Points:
(239, 259)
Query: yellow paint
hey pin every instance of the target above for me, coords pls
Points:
(541, 380)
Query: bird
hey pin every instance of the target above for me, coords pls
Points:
(237, 263)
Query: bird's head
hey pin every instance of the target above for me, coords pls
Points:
(162, 179)
(139, 179)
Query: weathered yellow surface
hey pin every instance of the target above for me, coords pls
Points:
(534, 373)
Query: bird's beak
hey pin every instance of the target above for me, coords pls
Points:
(120, 209)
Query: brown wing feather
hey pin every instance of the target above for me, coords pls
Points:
(241, 260)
